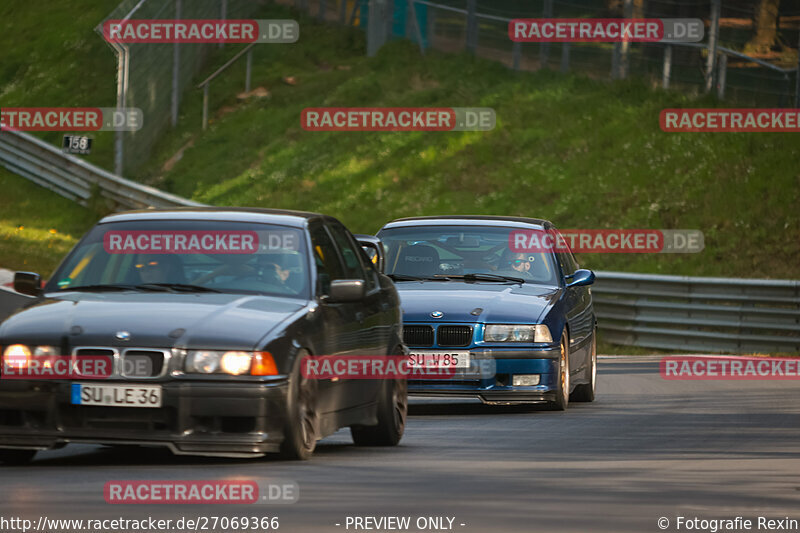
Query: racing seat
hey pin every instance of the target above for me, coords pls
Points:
(419, 260)
(172, 268)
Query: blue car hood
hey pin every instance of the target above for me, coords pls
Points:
(501, 303)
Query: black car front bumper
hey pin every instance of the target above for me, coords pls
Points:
(196, 418)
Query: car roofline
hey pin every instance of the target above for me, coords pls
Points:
(223, 214)
(470, 220)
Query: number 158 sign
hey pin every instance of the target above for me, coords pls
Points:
(77, 144)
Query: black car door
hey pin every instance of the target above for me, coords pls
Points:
(366, 336)
(336, 318)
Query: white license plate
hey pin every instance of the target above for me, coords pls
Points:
(116, 395)
(442, 359)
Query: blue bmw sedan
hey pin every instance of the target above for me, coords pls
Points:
(514, 327)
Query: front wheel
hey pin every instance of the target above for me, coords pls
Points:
(585, 392)
(562, 379)
(392, 413)
(16, 457)
(301, 429)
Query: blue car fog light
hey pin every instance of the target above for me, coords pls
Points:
(525, 380)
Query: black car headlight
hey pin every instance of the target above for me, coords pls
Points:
(18, 355)
(218, 362)
(517, 333)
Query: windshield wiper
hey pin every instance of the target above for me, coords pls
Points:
(404, 277)
(104, 287)
(182, 287)
(485, 276)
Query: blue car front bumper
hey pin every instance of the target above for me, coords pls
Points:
(497, 386)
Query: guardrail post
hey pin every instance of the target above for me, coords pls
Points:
(342, 11)
(412, 13)
(472, 26)
(615, 59)
(625, 45)
(205, 106)
(544, 48)
(123, 66)
(565, 57)
(797, 77)
(376, 26)
(323, 4)
(667, 66)
(516, 55)
(723, 72)
(176, 68)
(223, 14)
(713, 37)
(248, 70)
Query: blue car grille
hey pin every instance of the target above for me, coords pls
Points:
(445, 336)
(418, 335)
(454, 336)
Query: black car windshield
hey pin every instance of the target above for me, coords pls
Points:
(462, 252)
(188, 256)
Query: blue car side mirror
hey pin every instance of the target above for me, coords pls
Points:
(580, 278)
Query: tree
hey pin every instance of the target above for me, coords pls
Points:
(766, 28)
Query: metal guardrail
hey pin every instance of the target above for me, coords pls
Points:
(673, 312)
(693, 313)
(75, 179)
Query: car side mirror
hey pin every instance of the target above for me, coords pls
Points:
(580, 278)
(373, 247)
(346, 290)
(29, 283)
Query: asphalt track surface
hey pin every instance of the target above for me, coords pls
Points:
(647, 448)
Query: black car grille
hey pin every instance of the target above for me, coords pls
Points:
(142, 363)
(454, 335)
(418, 335)
(134, 362)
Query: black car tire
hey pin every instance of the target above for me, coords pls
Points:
(585, 392)
(301, 431)
(562, 390)
(16, 457)
(392, 413)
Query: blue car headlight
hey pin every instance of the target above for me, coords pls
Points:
(517, 333)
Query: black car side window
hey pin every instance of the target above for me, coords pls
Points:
(350, 254)
(329, 267)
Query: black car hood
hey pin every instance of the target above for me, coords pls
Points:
(501, 303)
(222, 321)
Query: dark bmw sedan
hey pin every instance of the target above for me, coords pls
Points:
(187, 329)
(513, 327)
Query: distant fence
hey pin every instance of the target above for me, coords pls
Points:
(698, 314)
(481, 27)
(74, 178)
(154, 77)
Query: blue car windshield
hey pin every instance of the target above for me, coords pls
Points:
(429, 251)
(188, 255)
